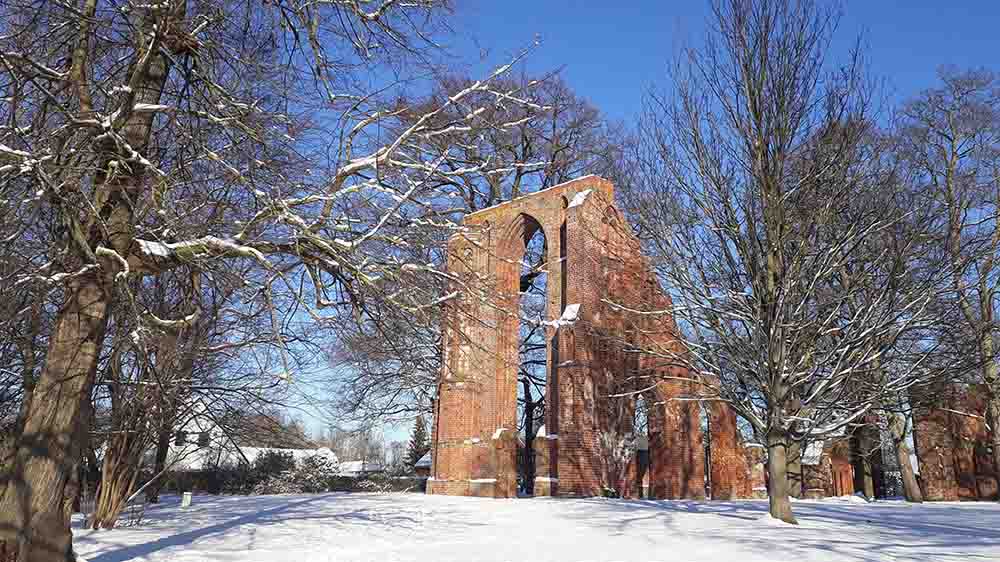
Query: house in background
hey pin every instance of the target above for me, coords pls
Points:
(360, 469)
(199, 444)
(251, 453)
(204, 450)
(202, 445)
(422, 468)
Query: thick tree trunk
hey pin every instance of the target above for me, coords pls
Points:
(911, 489)
(793, 459)
(866, 484)
(34, 524)
(162, 448)
(777, 469)
(991, 377)
(864, 445)
(993, 413)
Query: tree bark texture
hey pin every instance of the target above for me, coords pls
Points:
(911, 489)
(780, 505)
(34, 524)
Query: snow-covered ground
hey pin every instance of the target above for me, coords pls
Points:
(415, 527)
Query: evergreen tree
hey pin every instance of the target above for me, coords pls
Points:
(419, 442)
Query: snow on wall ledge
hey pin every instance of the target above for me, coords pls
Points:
(580, 198)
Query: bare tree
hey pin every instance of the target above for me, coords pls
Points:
(738, 186)
(898, 427)
(951, 136)
(388, 368)
(396, 461)
(157, 378)
(901, 251)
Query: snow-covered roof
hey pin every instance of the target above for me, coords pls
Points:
(190, 456)
(357, 467)
(425, 461)
(252, 453)
(813, 453)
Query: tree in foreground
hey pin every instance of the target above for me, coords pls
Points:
(156, 137)
(761, 188)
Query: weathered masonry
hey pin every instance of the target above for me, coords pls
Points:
(595, 273)
(953, 446)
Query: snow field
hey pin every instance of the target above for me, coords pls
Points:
(415, 527)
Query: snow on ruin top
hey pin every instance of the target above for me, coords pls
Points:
(579, 198)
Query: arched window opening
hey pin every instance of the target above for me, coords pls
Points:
(533, 367)
(640, 427)
(562, 267)
(705, 424)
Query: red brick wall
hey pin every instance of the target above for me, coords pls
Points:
(841, 470)
(758, 472)
(951, 448)
(833, 476)
(729, 466)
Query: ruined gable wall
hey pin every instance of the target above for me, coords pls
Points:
(605, 274)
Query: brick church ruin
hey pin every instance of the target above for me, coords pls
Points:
(598, 292)
(595, 272)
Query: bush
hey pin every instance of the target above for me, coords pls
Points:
(245, 478)
(262, 473)
(382, 484)
(237, 479)
(343, 484)
(377, 485)
(277, 473)
(212, 481)
(276, 484)
(314, 474)
(270, 463)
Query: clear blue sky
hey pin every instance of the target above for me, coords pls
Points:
(612, 51)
